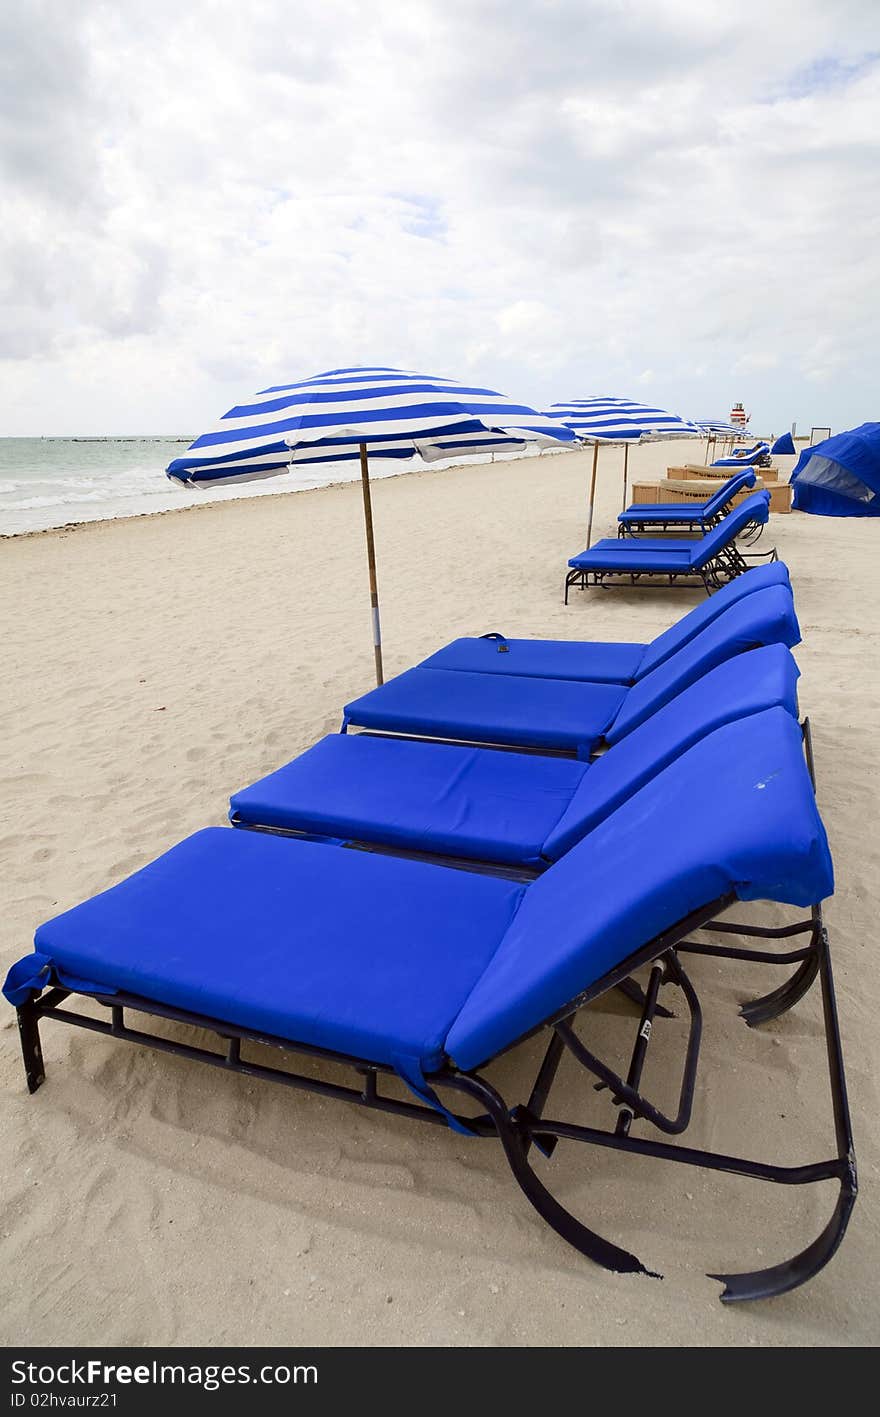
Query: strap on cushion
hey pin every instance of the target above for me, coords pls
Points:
(409, 1068)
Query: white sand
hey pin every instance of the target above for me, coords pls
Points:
(153, 666)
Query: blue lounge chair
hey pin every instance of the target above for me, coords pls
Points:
(697, 517)
(598, 661)
(565, 715)
(390, 966)
(513, 809)
(711, 559)
(759, 445)
(758, 456)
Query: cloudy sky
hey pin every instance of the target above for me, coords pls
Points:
(669, 200)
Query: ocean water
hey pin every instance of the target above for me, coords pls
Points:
(50, 482)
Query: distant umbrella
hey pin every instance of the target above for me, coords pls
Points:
(651, 422)
(598, 420)
(715, 428)
(610, 420)
(719, 426)
(346, 414)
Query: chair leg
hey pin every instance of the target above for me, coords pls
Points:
(31, 1051)
(587, 1242)
(779, 1278)
(779, 1001)
(574, 578)
(633, 991)
(790, 1274)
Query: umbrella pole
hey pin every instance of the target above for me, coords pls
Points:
(592, 494)
(625, 465)
(371, 562)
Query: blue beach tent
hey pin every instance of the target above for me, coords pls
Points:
(840, 477)
(783, 444)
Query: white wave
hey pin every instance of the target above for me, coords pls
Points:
(56, 493)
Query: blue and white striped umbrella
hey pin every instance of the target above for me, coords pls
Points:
(329, 417)
(718, 427)
(597, 421)
(348, 414)
(607, 420)
(622, 420)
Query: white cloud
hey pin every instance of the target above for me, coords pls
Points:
(755, 360)
(551, 197)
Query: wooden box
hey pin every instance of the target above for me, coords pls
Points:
(694, 490)
(721, 474)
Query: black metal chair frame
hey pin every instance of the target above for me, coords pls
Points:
(524, 1125)
(654, 524)
(751, 532)
(658, 522)
(762, 460)
(728, 563)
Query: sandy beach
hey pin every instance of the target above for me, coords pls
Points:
(154, 665)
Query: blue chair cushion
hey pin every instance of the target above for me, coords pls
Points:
(491, 708)
(756, 578)
(667, 512)
(652, 545)
(430, 797)
(517, 809)
(404, 963)
(566, 714)
(745, 461)
(753, 510)
(595, 661)
(365, 955)
(613, 554)
(743, 457)
(736, 814)
(688, 511)
(762, 679)
(668, 556)
(767, 617)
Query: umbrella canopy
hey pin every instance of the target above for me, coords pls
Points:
(327, 418)
(622, 420)
(607, 420)
(840, 477)
(720, 427)
(597, 420)
(348, 414)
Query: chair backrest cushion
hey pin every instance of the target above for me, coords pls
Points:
(755, 508)
(728, 489)
(765, 618)
(746, 685)
(735, 815)
(665, 644)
